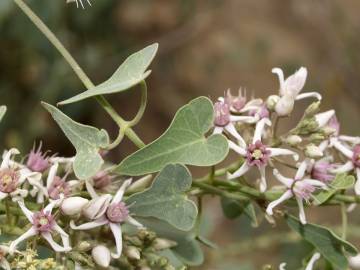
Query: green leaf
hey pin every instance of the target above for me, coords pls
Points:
(183, 142)
(325, 241)
(2, 111)
(342, 181)
(233, 209)
(87, 141)
(166, 198)
(187, 250)
(129, 74)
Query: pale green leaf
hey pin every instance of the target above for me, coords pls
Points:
(166, 198)
(2, 111)
(342, 181)
(183, 142)
(87, 141)
(187, 250)
(129, 74)
(325, 241)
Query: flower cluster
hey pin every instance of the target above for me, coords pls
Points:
(41, 180)
(316, 139)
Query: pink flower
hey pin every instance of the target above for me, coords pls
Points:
(37, 160)
(109, 210)
(57, 187)
(44, 224)
(257, 154)
(236, 103)
(321, 170)
(299, 187)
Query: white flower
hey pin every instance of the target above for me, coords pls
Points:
(300, 187)
(290, 90)
(43, 223)
(353, 163)
(109, 210)
(13, 175)
(257, 154)
(77, 2)
(354, 262)
(101, 256)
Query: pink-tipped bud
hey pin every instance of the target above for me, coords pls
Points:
(37, 160)
(222, 114)
(236, 103)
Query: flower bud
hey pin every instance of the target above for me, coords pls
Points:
(354, 262)
(323, 118)
(293, 140)
(161, 243)
(132, 253)
(316, 137)
(313, 151)
(83, 246)
(140, 185)
(101, 256)
(312, 109)
(97, 207)
(73, 205)
(272, 101)
(285, 105)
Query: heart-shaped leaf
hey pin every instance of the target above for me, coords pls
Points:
(325, 241)
(87, 141)
(342, 181)
(129, 74)
(183, 142)
(166, 198)
(2, 111)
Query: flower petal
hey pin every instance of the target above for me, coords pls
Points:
(238, 149)
(116, 230)
(239, 172)
(55, 246)
(308, 95)
(7, 157)
(286, 181)
(342, 148)
(260, 129)
(285, 196)
(26, 211)
(89, 225)
(120, 193)
(302, 216)
(232, 130)
(312, 261)
(134, 222)
(29, 233)
(282, 152)
(301, 170)
(263, 184)
(348, 166)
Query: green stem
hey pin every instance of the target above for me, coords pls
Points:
(143, 103)
(213, 190)
(79, 71)
(344, 220)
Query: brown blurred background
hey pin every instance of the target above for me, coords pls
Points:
(205, 48)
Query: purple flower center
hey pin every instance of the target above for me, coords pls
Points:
(356, 156)
(222, 114)
(302, 189)
(320, 171)
(57, 187)
(9, 180)
(37, 160)
(235, 102)
(43, 222)
(117, 212)
(257, 154)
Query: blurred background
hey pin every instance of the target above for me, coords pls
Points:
(205, 48)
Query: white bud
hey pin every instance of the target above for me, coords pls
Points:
(140, 185)
(73, 205)
(101, 256)
(293, 140)
(323, 118)
(285, 105)
(97, 207)
(354, 262)
(272, 101)
(161, 243)
(313, 151)
(132, 253)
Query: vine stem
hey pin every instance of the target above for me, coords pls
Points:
(344, 221)
(123, 124)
